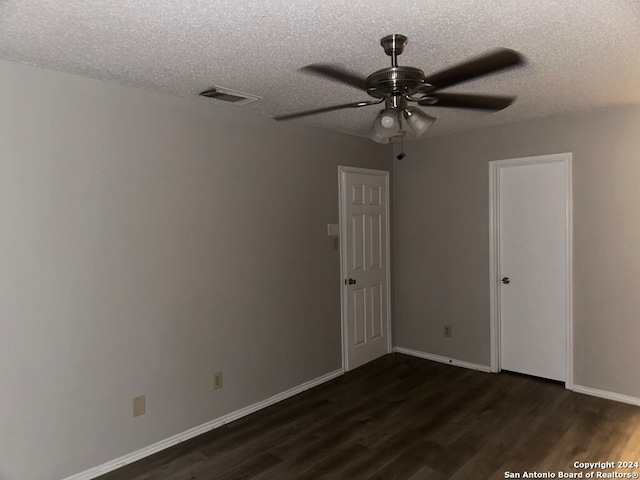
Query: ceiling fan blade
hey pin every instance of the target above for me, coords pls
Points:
(337, 74)
(483, 65)
(464, 100)
(325, 109)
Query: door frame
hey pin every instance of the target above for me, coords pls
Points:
(494, 252)
(342, 169)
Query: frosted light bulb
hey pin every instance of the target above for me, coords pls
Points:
(387, 121)
(387, 124)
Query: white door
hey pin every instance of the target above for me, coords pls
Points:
(364, 231)
(533, 250)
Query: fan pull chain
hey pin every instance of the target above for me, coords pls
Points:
(402, 154)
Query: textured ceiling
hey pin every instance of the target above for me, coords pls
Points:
(580, 54)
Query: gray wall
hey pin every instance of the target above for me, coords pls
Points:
(442, 240)
(146, 242)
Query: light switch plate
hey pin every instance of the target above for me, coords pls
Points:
(217, 380)
(139, 406)
(333, 230)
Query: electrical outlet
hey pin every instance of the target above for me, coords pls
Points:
(217, 380)
(139, 406)
(447, 330)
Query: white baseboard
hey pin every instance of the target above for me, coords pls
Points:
(200, 429)
(618, 397)
(441, 359)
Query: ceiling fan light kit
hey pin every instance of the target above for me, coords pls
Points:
(387, 123)
(418, 121)
(397, 86)
(377, 137)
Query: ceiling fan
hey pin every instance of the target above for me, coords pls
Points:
(399, 86)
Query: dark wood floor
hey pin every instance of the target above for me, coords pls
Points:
(408, 419)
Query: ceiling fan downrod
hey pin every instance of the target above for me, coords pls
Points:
(394, 80)
(393, 46)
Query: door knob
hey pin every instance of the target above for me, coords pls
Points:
(352, 281)
(506, 280)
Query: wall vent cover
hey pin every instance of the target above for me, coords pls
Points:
(229, 96)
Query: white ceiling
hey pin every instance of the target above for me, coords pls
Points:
(581, 54)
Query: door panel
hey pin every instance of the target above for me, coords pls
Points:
(375, 257)
(532, 238)
(359, 316)
(376, 310)
(358, 247)
(364, 216)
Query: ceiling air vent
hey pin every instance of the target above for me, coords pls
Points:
(229, 96)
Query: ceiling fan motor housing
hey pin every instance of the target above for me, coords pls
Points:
(394, 81)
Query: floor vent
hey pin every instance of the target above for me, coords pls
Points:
(229, 96)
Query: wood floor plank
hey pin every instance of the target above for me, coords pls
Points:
(426, 473)
(406, 418)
